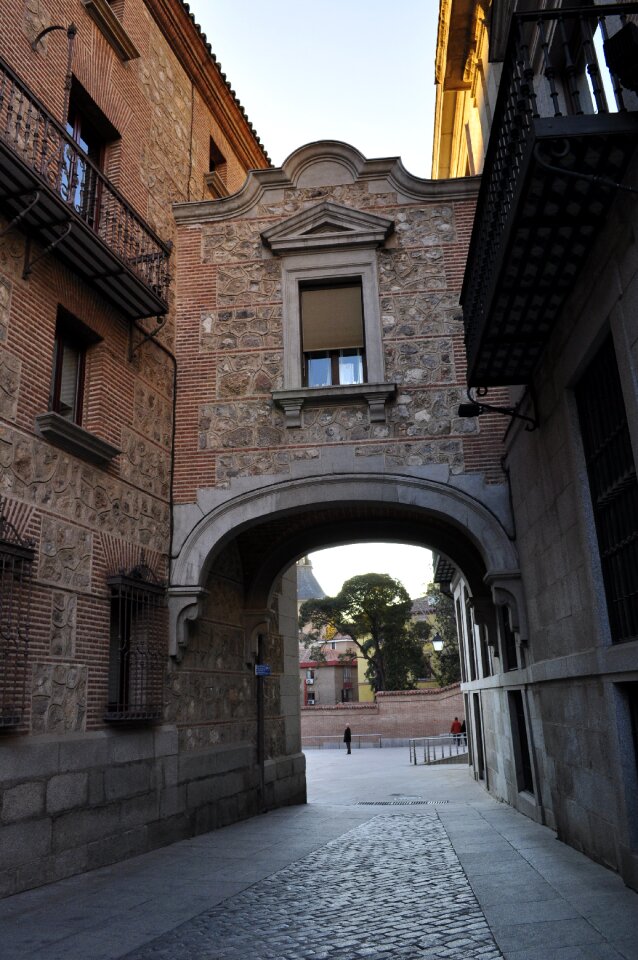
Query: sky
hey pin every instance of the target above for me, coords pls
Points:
(361, 71)
(411, 565)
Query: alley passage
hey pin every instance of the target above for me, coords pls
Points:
(387, 861)
(390, 888)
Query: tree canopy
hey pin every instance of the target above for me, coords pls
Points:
(374, 610)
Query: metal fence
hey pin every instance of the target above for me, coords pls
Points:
(336, 742)
(437, 749)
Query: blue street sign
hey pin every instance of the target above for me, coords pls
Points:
(262, 670)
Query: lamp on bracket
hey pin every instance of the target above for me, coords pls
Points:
(475, 407)
(437, 642)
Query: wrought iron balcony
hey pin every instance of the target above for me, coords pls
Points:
(50, 187)
(564, 132)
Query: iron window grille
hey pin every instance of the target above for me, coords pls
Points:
(137, 647)
(613, 487)
(16, 566)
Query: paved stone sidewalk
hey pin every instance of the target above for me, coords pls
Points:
(390, 888)
(387, 862)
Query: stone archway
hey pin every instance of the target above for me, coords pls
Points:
(233, 602)
(322, 511)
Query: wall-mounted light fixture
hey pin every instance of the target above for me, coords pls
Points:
(475, 407)
(71, 32)
(437, 642)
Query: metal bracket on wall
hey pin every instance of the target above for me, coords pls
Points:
(475, 407)
(20, 216)
(29, 264)
(161, 323)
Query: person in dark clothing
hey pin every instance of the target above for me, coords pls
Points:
(347, 738)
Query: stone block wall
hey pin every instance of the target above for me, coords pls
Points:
(78, 803)
(393, 716)
(576, 678)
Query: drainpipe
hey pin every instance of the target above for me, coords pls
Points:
(261, 727)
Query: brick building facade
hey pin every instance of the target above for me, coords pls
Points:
(268, 427)
(397, 716)
(91, 160)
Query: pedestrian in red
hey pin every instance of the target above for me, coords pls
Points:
(456, 729)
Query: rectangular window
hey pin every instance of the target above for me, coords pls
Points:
(16, 564)
(613, 486)
(332, 334)
(520, 742)
(137, 648)
(72, 339)
(508, 640)
(80, 182)
(217, 161)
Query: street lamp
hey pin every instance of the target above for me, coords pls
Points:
(437, 642)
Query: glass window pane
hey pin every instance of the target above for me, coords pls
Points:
(350, 367)
(69, 382)
(319, 371)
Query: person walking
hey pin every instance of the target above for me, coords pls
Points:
(347, 738)
(455, 730)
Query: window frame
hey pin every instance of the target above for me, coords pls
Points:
(327, 269)
(67, 432)
(71, 332)
(333, 354)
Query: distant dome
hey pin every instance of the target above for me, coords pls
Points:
(308, 587)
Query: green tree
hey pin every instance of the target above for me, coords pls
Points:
(446, 665)
(374, 610)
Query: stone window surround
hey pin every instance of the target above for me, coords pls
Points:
(74, 439)
(109, 24)
(328, 266)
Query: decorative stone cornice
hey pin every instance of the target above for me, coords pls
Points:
(384, 174)
(196, 57)
(327, 225)
(102, 13)
(375, 394)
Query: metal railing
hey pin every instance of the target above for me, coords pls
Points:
(371, 739)
(16, 567)
(43, 145)
(553, 68)
(137, 647)
(436, 749)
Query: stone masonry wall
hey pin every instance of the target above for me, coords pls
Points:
(578, 675)
(231, 344)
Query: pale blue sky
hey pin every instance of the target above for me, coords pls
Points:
(411, 565)
(355, 70)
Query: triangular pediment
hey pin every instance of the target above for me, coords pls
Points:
(327, 225)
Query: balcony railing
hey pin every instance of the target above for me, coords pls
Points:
(50, 187)
(563, 134)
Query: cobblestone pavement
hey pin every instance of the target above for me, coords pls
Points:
(390, 888)
(387, 861)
